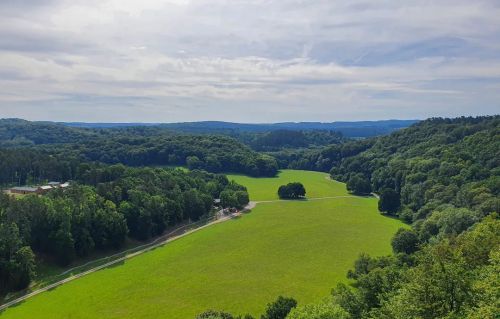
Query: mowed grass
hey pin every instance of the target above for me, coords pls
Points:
(294, 248)
(317, 184)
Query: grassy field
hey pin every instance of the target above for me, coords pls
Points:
(295, 248)
(317, 184)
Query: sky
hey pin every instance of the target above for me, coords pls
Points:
(248, 61)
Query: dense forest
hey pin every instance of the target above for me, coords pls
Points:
(99, 211)
(287, 139)
(27, 145)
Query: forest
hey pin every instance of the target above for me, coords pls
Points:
(441, 176)
(34, 151)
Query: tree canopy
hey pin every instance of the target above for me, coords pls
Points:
(293, 190)
(389, 201)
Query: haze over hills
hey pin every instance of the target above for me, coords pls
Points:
(349, 129)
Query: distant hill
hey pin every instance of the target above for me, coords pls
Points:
(18, 132)
(348, 129)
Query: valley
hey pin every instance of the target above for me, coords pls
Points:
(296, 248)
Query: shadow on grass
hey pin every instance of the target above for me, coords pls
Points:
(12, 306)
(300, 199)
(115, 265)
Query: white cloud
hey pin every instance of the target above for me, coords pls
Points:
(248, 60)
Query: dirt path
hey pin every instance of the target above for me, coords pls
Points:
(156, 243)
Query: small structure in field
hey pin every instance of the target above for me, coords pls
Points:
(54, 184)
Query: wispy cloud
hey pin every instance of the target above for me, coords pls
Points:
(249, 61)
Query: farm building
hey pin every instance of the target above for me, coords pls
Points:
(37, 189)
(44, 189)
(25, 190)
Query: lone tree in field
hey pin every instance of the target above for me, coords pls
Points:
(291, 191)
(389, 201)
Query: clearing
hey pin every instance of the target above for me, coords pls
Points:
(294, 248)
(317, 184)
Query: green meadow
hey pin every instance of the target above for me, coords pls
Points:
(317, 184)
(294, 248)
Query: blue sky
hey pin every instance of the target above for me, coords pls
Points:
(248, 61)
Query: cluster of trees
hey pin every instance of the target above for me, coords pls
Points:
(289, 139)
(234, 195)
(358, 185)
(134, 146)
(29, 166)
(109, 204)
(456, 277)
(59, 225)
(293, 190)
(321, 159)
(153, 198)
(17, 261)
(389, 202)
(208, 152)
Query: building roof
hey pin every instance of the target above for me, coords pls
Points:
(25, 189)
(45, 187)
(64, 185)
(54, 183)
